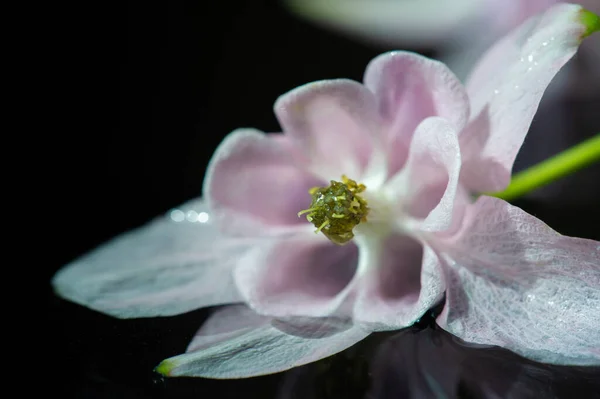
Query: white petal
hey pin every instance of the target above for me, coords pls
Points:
(252, 347)
(516, 283)
(505, 89)
(175, 264)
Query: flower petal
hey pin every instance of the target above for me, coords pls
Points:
(226, 323)
(335, 124)
(427, 186)
(493, 21)
(165, 268)
(401, 282)
(410, 88)
(416, 22)
(505, 90)
(252, 179)
(302, 275)
(516, 283)
(252, 347)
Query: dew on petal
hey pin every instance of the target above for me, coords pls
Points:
(192, 216)
(177, 215)
(203, 217)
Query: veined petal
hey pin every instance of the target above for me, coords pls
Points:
(334, 123)
(165, 268)
(250, 346)
(410, 88)
(402, 279)
(427, 186)
(224, 324)
(252, 178)
(505, 90)
(302, 275)
(514, 282)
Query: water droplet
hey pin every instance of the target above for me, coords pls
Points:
(177, 215)
(544, 43)
(530, 58)
(203, 217)
(496, 91)
(192, 216)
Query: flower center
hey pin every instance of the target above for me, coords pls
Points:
(336, 209)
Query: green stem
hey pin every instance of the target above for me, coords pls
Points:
(565, 163)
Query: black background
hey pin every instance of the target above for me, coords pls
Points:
(142, 96)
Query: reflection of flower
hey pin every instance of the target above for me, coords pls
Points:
(430, 363)
(425, 361)
(413, 143)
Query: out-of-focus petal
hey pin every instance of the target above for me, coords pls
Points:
(410, 88)
(303, 275)
(505, 90)
(427, 186)
(401, 282)
(252, 179)
(417, 22)
(237, 343)
(514, 282)
(175, 264)
(334, 123)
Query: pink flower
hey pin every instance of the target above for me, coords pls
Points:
(422, 144)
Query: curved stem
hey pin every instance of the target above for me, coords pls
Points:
(560, 165)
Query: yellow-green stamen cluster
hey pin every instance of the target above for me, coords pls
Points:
(335, 210)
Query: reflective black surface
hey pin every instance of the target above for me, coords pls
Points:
(152, 89)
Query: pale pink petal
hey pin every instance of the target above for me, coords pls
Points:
(402, 281)
(515, 12)
(409, 88)
(224, 324)
(514, 282)
(301, 275)
(252, 176)
(494, 20)
(250, 346)
(505, 90)
(316, 327)
(335, 124)
(234, 320)
(173, 265)
(427, 186)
